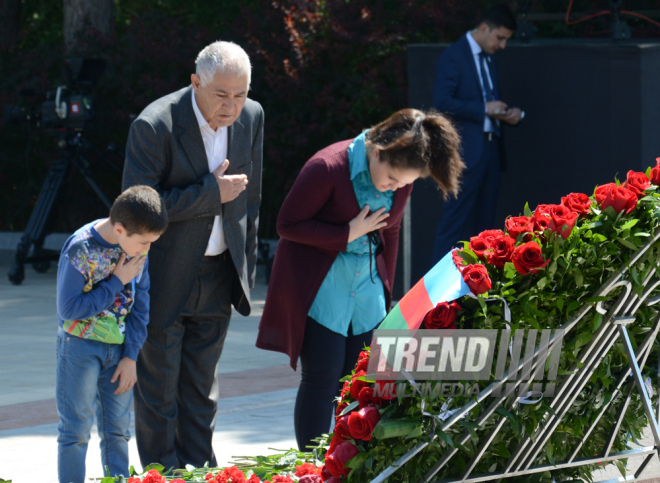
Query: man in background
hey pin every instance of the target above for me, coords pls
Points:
(467, 89)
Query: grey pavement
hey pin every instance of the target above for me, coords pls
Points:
(258, 388)
(255, 412)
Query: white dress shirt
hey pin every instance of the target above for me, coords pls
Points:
(215, 145)
(476, 50)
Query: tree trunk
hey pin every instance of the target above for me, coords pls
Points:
(9, 23)
(89, 26)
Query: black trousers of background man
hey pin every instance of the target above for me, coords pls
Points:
(176, 394)
(473, 211)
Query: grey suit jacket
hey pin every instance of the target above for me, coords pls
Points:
(165, 151)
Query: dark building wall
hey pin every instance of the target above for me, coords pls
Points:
(592, 111)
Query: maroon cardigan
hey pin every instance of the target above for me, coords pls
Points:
(313, 229)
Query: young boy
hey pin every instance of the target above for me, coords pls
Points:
(103, 311)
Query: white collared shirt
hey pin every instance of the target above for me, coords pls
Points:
(476, 50)
(215, 145)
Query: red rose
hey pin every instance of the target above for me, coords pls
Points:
(178, 480)
(345, 389)
(362, 365)
(325, 474)
(334, 480)
(234, 474)
(577, 202)
(561, 215)
(254, 479)
(134, 479)
(458, 261)
(442, 316)
(207, 477)
(281, 479)
(618, 197)
(367, 398)
(336, 460)
(516, 225)
(476, 277)
(356, 385)
(364, 355)
(310, 479)
(655, 173)
(637, 183)
(479, 245)
(490, 235)
(153, 476)
(341, 431)
(361, 423)
(383, 388)
(306, 469)
(500, 251)
(541, 218)
(528, 258)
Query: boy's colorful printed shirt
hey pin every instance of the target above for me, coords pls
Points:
(96, 263)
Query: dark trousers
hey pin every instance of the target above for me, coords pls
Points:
(474, 209)
(326, 357)
(176, 394)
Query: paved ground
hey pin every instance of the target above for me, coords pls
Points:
(255, 412)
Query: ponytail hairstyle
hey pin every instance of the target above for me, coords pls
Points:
(427, 142)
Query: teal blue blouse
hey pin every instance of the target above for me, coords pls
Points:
(347, 295)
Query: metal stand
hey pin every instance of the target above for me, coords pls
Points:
(613, 330)
(71, 147)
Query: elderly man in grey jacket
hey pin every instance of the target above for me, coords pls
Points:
(201, 149)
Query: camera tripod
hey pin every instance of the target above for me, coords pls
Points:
(71, 147)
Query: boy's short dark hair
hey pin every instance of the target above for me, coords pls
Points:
(140, 209)
(499, 16)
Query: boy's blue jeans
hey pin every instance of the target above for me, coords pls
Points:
(84, 370)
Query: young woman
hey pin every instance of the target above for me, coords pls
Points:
(334, 267)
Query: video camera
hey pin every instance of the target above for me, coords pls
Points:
(69, 107)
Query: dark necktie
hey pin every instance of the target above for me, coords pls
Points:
(488, 90)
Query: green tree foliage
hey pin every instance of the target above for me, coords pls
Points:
(323, 69)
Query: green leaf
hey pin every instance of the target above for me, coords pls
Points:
(445, 437)
(510, 270)
(527, 211)
(357, 460)
(583, 338)
(507, 414)
(622, 468)
(648, 172)
(394, 428)
(633, 273)
(629, 224)
(131, 471)
(154, 466)
(469, 424)
(465, 449)
(553, 269)
(350, 407)
(415, 433)
(610, 212)
(482, 302)
(627, 244)
(579, 278)
(468, 255)
(108, 479)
